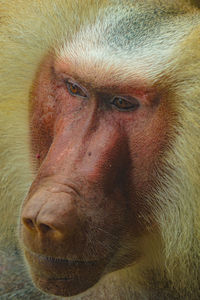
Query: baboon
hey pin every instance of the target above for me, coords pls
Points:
(99, 146)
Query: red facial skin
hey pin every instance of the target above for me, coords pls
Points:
(95, 166)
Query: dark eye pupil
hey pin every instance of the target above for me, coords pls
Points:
(120, 101)
(73, 88)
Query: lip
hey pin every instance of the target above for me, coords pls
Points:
(63, 268)
(49, 260)
(61, 276)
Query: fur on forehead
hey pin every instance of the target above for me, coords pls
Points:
(117, 50)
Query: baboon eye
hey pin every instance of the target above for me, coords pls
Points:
(125, 104)
(75, 90)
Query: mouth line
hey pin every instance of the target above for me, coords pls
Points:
(58, 260)
(61, 279)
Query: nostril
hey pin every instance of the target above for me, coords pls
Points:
(28, 223)
(44, 228)
(32, 226)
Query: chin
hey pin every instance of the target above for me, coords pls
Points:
(63, 277)
(65, 287)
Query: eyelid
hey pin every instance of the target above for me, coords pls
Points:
(131, 100)
(127, 98)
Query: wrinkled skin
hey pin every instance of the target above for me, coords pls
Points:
(99, 146)
(93, 161)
